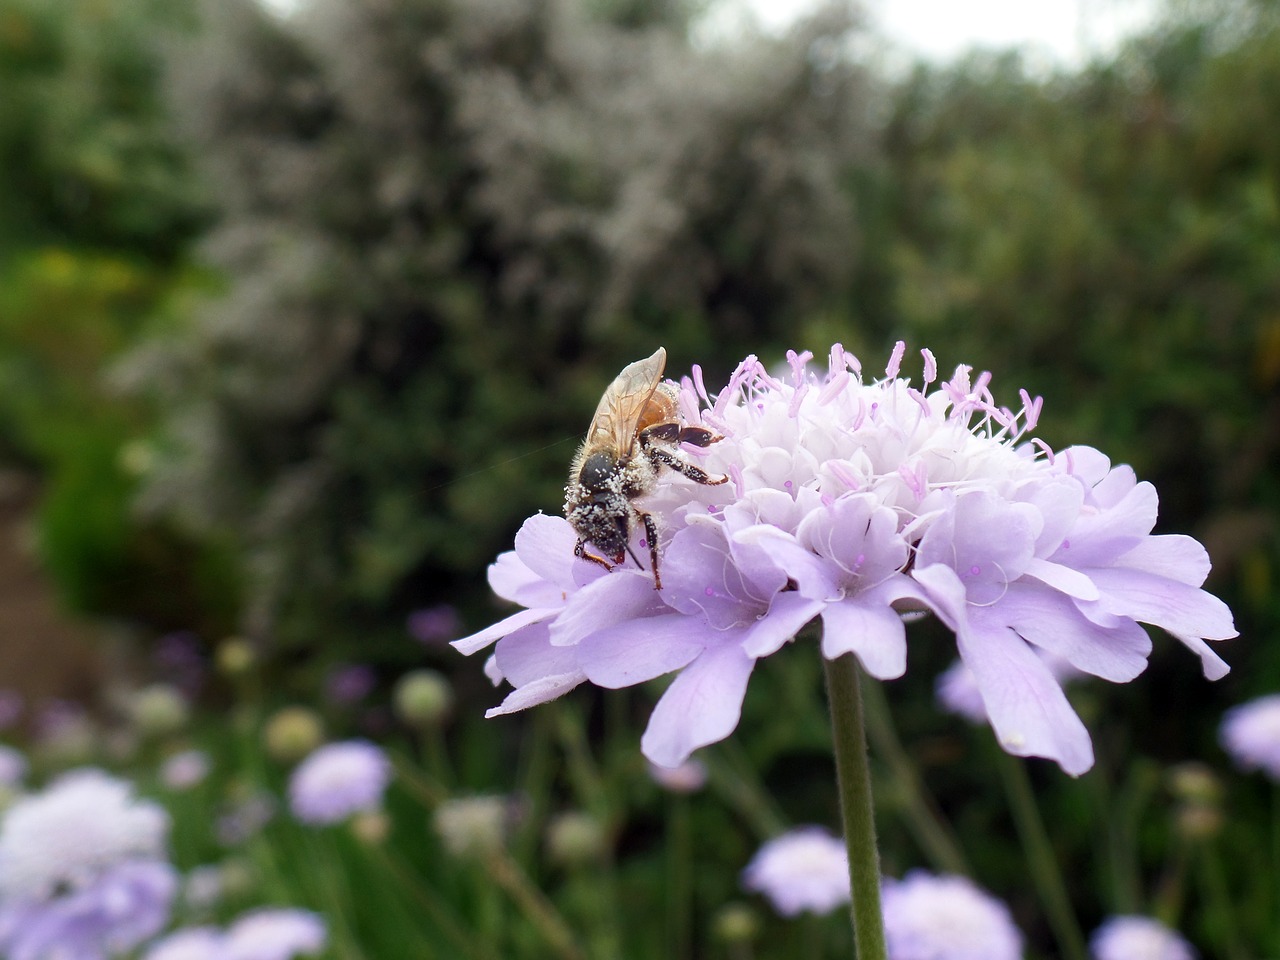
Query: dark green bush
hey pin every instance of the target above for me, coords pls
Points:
(447, 225)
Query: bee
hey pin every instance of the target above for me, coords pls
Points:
(636, 431)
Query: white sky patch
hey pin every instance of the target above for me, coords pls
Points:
(1067, 32)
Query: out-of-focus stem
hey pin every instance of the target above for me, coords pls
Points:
(679, 886)
(1045, 873)
(1219, 899)
(853, 777)
(541, 912)
(1275, 859)
(922, 816)
(735, 782)
(464, 941)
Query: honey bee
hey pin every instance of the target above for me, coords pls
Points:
(636, 431)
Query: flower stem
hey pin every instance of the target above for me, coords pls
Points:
(1275, 857)
(1220, 906)
(853, 776)
(679, 877)
(536, 907)
(1041, 861)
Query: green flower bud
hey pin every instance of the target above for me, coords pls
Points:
(472, 826)
(423, 699)
(736, 923)
(291, 733)
(576, 838)
(158, 710)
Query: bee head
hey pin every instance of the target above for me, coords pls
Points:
(599, 471)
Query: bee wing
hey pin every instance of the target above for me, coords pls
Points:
(623, 403)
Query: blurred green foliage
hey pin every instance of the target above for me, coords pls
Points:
(447, 226)
(97, 212)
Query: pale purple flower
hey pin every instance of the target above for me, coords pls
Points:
(338, 780)
(803, 870)
(853, 502)
(688, 777)
(83, 870)
(1251, 734)
(349, 683)
(193, 943)
(244, 818)
(13, 767)
(179, 658)
(119, 908)
(274, 934)
(929, 917)
(434, 625)
(185, 770)
(65, 836)
(1138, 938)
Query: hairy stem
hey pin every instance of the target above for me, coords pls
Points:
(853, 776)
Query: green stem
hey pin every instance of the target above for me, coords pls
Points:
(536, 907)
(1045, 873)
(1219, 899)
(853, 777)
(922, 816)
(1275, 858)
(463, 940)
(679, 884)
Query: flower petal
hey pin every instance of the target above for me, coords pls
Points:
(1174, 556)
(1069, 581)
(702, 705)
(639, 650)
(814, 577)
(622, 595)
(1028, 710)
(478, 641)
(788, 613)
(512, 580)
(1099, 536)
(1174, 606)
(1053, 623)
(867, 626)
(545, 545)
(538, 691)
(526, 655)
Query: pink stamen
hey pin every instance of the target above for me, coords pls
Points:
(793, 408)
(895, 360)
(1048, 450)
(930, 366)
(834, 387)
(1031, 409)
(699, 385)
(798, 361)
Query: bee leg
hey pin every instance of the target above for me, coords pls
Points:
(680, 465)
(698, 436)
(651, 534)
(672, 432)
(580, 550)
